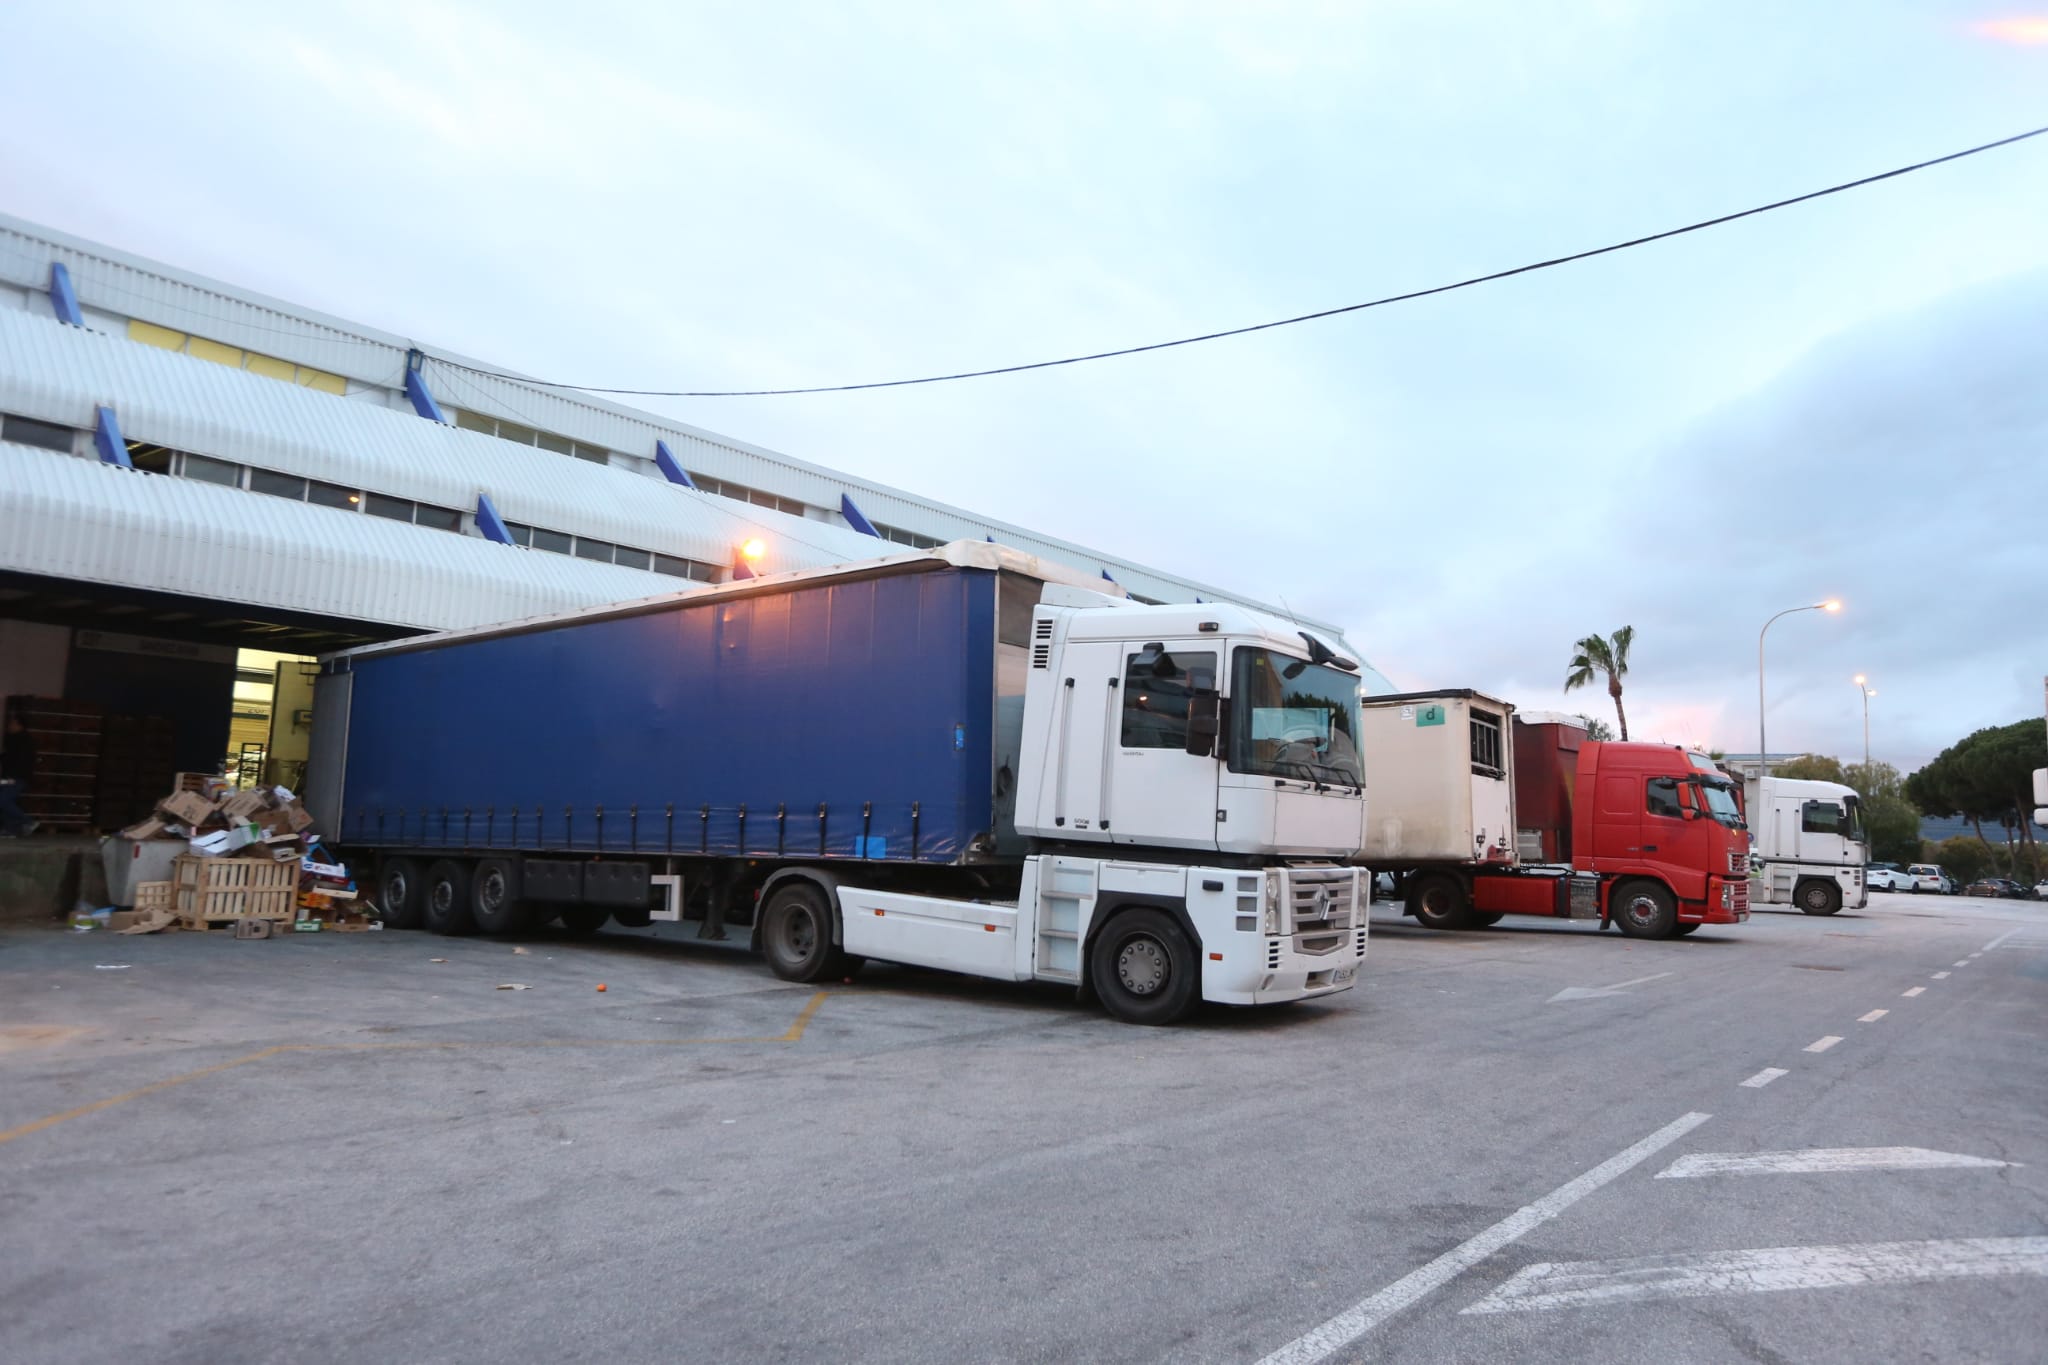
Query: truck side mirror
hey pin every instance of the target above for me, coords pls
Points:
(1205, 716)
(1688, 813)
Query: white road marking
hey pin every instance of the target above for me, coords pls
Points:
(1915, 991)
(1355, 1321)
(1765, 1077)
(1978, 953)
(1821, 1161)
(1574, 1284)
(1941, 976)
(1593, 992)
(1872, 1017)
(1964, 963)
(1824, 1044)
(2000, 939)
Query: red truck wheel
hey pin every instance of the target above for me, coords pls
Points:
(1644, 910)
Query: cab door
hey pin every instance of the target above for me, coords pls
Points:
(1159, 793)
(1676, 835)
(1617, 820)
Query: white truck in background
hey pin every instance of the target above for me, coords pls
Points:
(1808, 841)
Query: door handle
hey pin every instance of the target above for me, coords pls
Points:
(1649, 848)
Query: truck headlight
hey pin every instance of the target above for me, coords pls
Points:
(1271, 924)
(1727, 896)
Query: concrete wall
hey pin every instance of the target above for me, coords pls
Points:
(33, 658)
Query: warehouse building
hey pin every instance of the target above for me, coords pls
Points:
(202, 488)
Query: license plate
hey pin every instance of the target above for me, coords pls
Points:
(1342, 975)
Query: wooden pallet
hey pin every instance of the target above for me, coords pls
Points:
(156, 896)
(223, 890)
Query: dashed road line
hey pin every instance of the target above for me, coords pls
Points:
(1765, 1077)
(1964, 963)
(2000, 939)
(1915, 991)
(1823, 1044)
(1941, 976)
(1355, 1321)
(1872, 1017)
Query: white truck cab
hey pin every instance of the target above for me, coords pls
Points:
(1808, 841)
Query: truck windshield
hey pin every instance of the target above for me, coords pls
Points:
(1291, 718)
(1719, 799)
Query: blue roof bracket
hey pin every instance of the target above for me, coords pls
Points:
(490, 523)
(106, 438)
(855, 519)
(1105, 574)
(416, 389)
(665, 461)
(740, 569)
(64, 299)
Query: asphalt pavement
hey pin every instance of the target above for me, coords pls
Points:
(1534, 1142)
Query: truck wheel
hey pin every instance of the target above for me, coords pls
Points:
(493, 897)
(1817, 897)
(1643, 910)
(1486, 921)
(1439, 902)
(583, 920)
(796, 933)
(1681, 930)
(401, 892)
(447, 899)
(1144, 970)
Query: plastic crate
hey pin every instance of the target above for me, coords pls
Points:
(214, 890)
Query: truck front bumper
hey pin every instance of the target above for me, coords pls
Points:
(1727, 902)
(1270, 971)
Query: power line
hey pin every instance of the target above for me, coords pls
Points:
(1280, 322)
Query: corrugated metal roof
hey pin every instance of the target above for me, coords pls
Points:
(59, 374)
(120, 282)
(63, 516)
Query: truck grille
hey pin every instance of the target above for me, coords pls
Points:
(1324, 902)
(1738, 865)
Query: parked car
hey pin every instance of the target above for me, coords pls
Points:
(1929, 877)
(1999, 888)
(1886, 877)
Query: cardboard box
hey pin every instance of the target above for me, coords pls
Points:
(149, 922)
(152, 828)
(243, 806)
(187, 808)
(220, 843)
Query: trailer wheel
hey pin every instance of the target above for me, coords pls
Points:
(494, 897)
(1644, 909)
(583, 920)
(447, 899)
(1439, 902)
(1817, 897)
(796, 933)
(1144, 970)
(401, 892)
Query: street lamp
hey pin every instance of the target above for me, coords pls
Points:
(1763, 762)
(1868, 693)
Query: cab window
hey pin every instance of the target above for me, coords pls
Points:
(1664, 796)
(1820, 817)
(1156, 689)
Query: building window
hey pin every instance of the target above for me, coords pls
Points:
(740, 492)
(913, 539)
(632, 558)
(277, 485)
(554, 542)
(28, 431)
(586, 548)
(553, 444)
(592, 454)
(439, 518)
(395, 509)
(520, 434)
(333, 495)
(1486, 746)
(686, 568)
(210, 471)
(269, 366)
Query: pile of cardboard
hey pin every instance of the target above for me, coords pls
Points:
(218, 822)
(328, 898)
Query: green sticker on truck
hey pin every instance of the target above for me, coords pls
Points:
(1428, 715)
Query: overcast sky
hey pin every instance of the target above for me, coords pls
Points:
(1849, 398)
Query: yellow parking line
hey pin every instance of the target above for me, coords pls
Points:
(794, 1034)
(37, 1125)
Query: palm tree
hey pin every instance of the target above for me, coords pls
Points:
(1593, 656)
